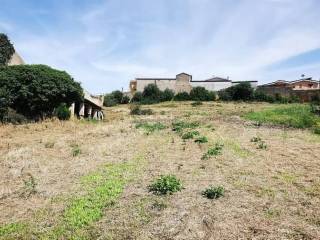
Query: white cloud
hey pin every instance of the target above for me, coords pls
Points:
(107, 45)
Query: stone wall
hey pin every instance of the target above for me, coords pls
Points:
(303, 95)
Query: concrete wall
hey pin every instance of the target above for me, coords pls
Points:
(162, 84)
(303, 95)
(183, 83)
(212, 86)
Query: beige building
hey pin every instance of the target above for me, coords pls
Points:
(183, 83)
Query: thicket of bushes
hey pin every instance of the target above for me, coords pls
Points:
(35, 91)
(244, 92)
(115, 98)
(152, 94)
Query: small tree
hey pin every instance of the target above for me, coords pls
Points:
(167, 95)
(6, 49)
(36, 90)
(151, 94)
(201, 94)
(242, 91)
(4, 104)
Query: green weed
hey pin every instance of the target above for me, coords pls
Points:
(214, 151)
(202, 139)
(190, 135)
(181, 125)
(165, 185)
(213, 192)
(151, 127)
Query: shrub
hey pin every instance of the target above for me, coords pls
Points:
(62, 112)
(190, 135)
(213, 151)
(4, 104)
(151, 94)
(6, 49)
(201, 140)
(137, 97)
(262, 145)
(36, 90)
(136, 110)
(183, 96)
(213, 192)
(109, 101)
(316, 129)
(197, 103)
(165, 185)
(242, 91)
(114, 98)
(15, 118)
(167, 95)
(201, 94)
(125, 100)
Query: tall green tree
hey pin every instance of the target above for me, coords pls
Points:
(6, 49)
(36, 90)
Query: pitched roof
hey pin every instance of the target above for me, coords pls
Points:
(213, 79)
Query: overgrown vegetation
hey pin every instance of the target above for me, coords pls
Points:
(242, 91)
(35, 91)
(213, 192)
(6, 49)
(115, 98)
(152, 94)
(296, 115)
(213, 151)
(151, 127)
(62, 112)
(190, 135)
(135, 109)
(165, 185)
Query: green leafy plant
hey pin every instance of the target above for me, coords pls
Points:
(165, 185)
(202, 139)
(62, 112)
(136, 110)
(262, 145)
(181, 125)
(151, 127)
(214, 151)
(190, 135)
(202, 94)
(6, 49)
(213, 192)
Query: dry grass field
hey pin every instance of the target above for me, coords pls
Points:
(89, 180)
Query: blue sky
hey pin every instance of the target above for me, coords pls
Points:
(106, 43)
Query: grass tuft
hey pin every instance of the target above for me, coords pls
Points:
(151, 127)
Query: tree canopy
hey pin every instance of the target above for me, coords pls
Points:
(6, 49)
(36, 90)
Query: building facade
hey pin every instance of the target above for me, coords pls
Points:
(183, 83)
